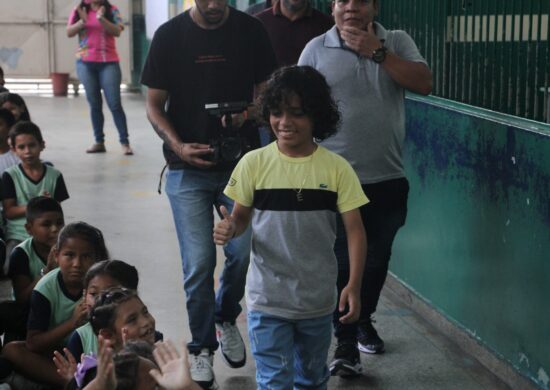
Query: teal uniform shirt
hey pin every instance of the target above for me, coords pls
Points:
(51, 303)
(17, 185)
(88, 339)
(33, 261)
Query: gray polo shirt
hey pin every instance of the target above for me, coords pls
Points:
(372, 132)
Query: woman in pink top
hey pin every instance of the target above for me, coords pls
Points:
(97, 23)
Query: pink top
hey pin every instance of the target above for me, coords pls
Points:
(95, 44)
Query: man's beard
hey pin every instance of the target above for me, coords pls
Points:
(295, 7)
(212, 17)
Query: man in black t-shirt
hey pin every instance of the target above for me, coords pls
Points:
(291, 24)
(209, 54)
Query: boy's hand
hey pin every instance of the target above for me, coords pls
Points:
(349, 296)
(80, 314)
(225, 229)
(66, 365)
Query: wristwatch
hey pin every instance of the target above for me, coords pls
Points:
(379, 55)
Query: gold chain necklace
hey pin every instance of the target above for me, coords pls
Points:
(297, 189)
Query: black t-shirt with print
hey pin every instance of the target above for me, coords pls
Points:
(198, 67)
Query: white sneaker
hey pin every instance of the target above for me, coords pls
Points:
(201, 369)
(231, 344)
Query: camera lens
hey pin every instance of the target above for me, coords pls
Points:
(230, 149)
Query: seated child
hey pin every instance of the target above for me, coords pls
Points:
(31, 260)
(118, 316)
(131, 369)
(100, 277)
(7, 156)
(56, 307)
(291, 190)
(16, 105)
(29, 179)
(7, 159)
(34, 258)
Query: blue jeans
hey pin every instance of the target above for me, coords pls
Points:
(192, 195)
(382, 217)
(106, 76)
(290, 354)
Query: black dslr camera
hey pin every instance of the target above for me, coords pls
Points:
(231, 143)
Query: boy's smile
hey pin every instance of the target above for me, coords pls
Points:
(293, 128)
(138, 323)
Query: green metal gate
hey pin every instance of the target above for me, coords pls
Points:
(491, 53)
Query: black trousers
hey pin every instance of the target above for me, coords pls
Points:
(382, 217)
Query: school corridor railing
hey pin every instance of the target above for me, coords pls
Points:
(492, 53)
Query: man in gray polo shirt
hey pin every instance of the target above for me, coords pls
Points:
(368, 68)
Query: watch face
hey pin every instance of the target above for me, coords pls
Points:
(379, 55)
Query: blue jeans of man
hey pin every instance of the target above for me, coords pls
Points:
(382, 217)
(290, 354)
(193, 194)
(106, 76)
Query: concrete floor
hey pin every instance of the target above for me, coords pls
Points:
(119, 195)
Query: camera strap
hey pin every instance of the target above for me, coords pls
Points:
(159, 189)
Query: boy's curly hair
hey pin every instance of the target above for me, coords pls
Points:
(314, 93)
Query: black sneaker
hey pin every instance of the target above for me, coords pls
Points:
(368, 340)
(346, 362)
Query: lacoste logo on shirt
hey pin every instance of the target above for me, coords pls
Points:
(323, 185)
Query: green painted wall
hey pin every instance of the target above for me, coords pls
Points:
(477, 240)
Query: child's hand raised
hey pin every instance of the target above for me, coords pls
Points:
(105, 378)
(350, 297)
(173, 373)
(66, 365)
(225, 229)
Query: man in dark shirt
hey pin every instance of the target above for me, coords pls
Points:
(290, 25)
(209, 54)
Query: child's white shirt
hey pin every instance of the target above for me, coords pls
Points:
(7, 160)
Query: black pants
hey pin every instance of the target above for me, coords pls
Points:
(382, 217)
(13, 321)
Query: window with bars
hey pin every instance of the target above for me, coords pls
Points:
(488, 53)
